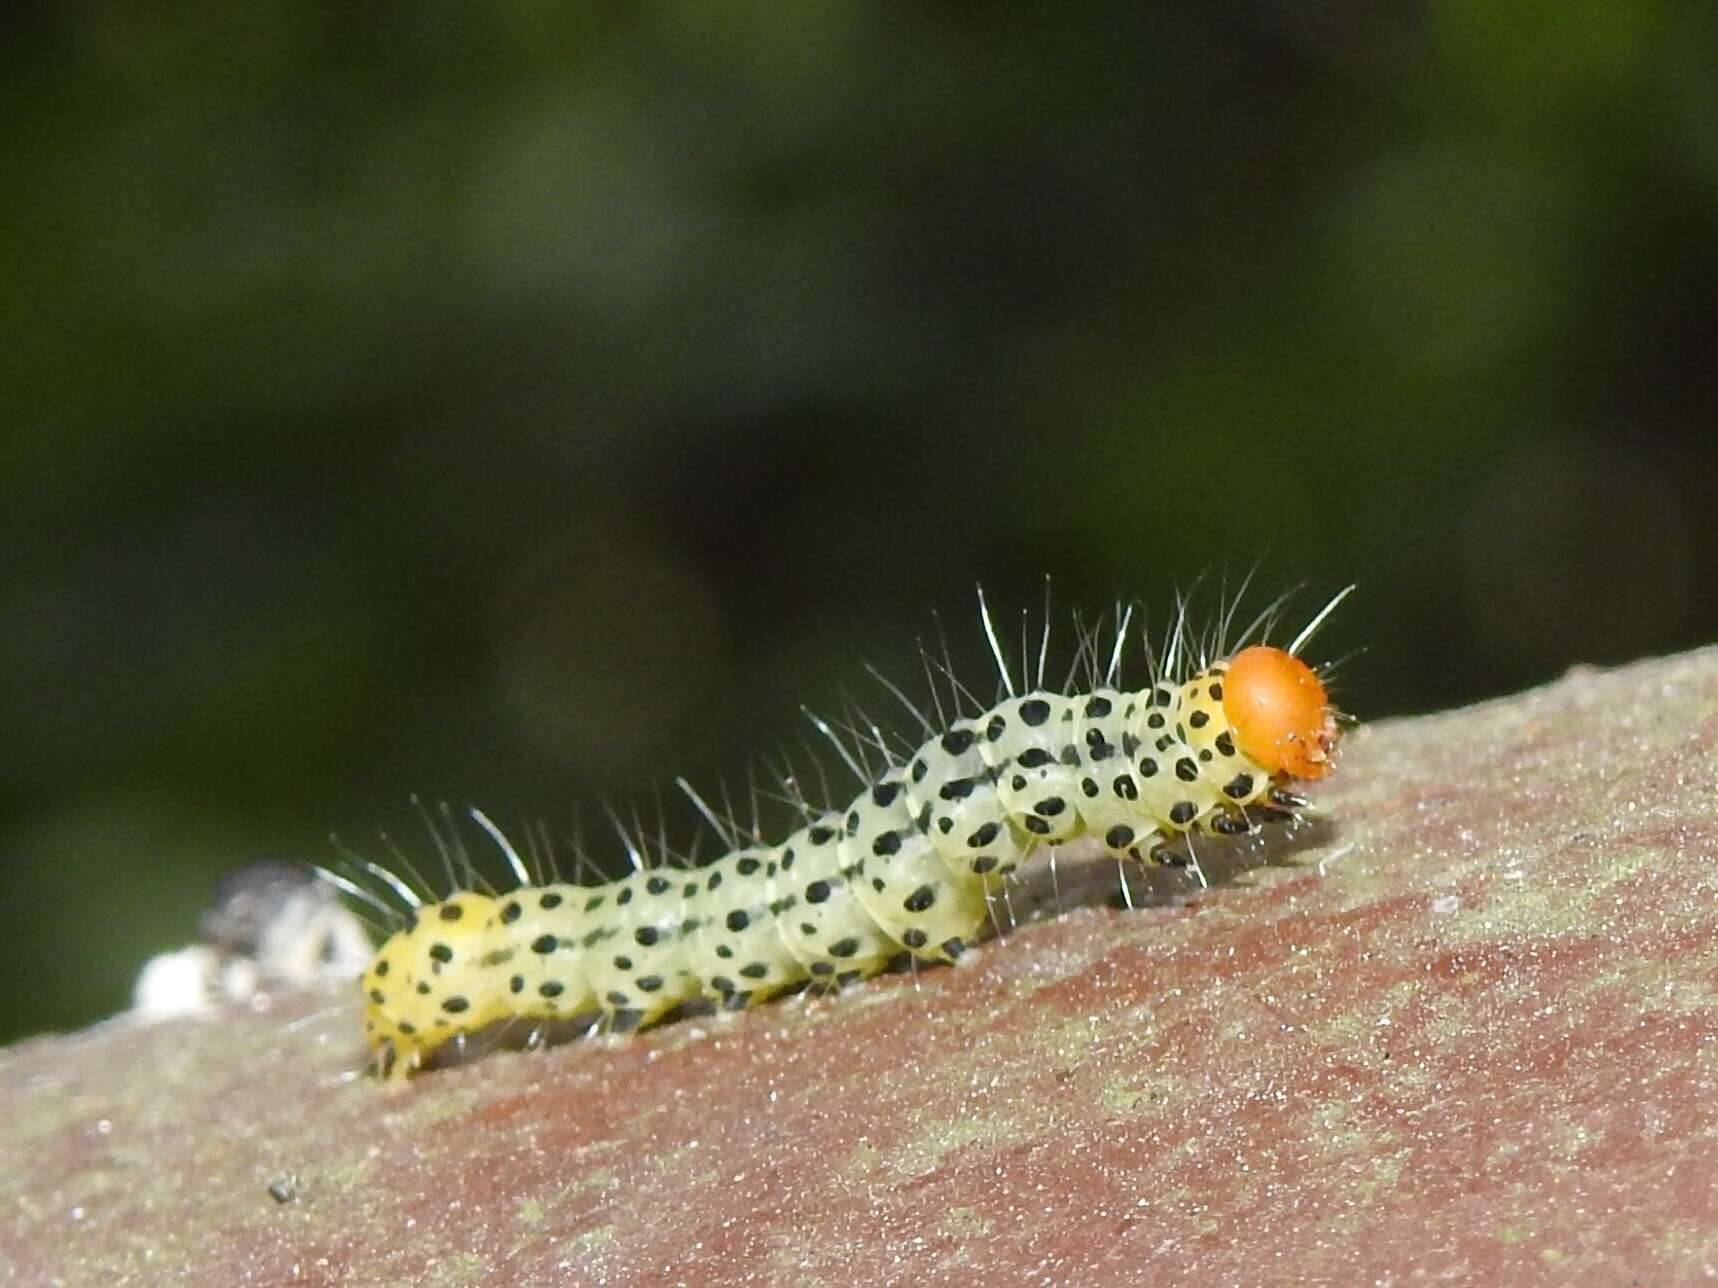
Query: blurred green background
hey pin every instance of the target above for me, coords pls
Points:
(522, 404)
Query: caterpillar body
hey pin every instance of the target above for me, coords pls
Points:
(909, 865)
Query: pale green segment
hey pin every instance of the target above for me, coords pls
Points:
(1038, 785)
(954, 800)
(817, 909)
(636, 954)
(536, 946)
(903, 882)
(733, 945)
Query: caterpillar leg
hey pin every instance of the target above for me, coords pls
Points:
(1294, 803)
(1231, 825)
(1164, 856)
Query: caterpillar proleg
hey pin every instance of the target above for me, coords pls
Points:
(1212, 742)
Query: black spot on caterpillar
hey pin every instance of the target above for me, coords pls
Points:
(910, 864)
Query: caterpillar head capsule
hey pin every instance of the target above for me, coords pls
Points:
(1281, 714)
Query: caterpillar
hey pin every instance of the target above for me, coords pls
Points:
(909, 866)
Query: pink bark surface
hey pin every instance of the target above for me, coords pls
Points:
(1466, 1032)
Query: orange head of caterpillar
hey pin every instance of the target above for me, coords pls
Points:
(1281, 714)
(431, 982)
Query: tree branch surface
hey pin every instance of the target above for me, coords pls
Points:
(1465, 1031)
